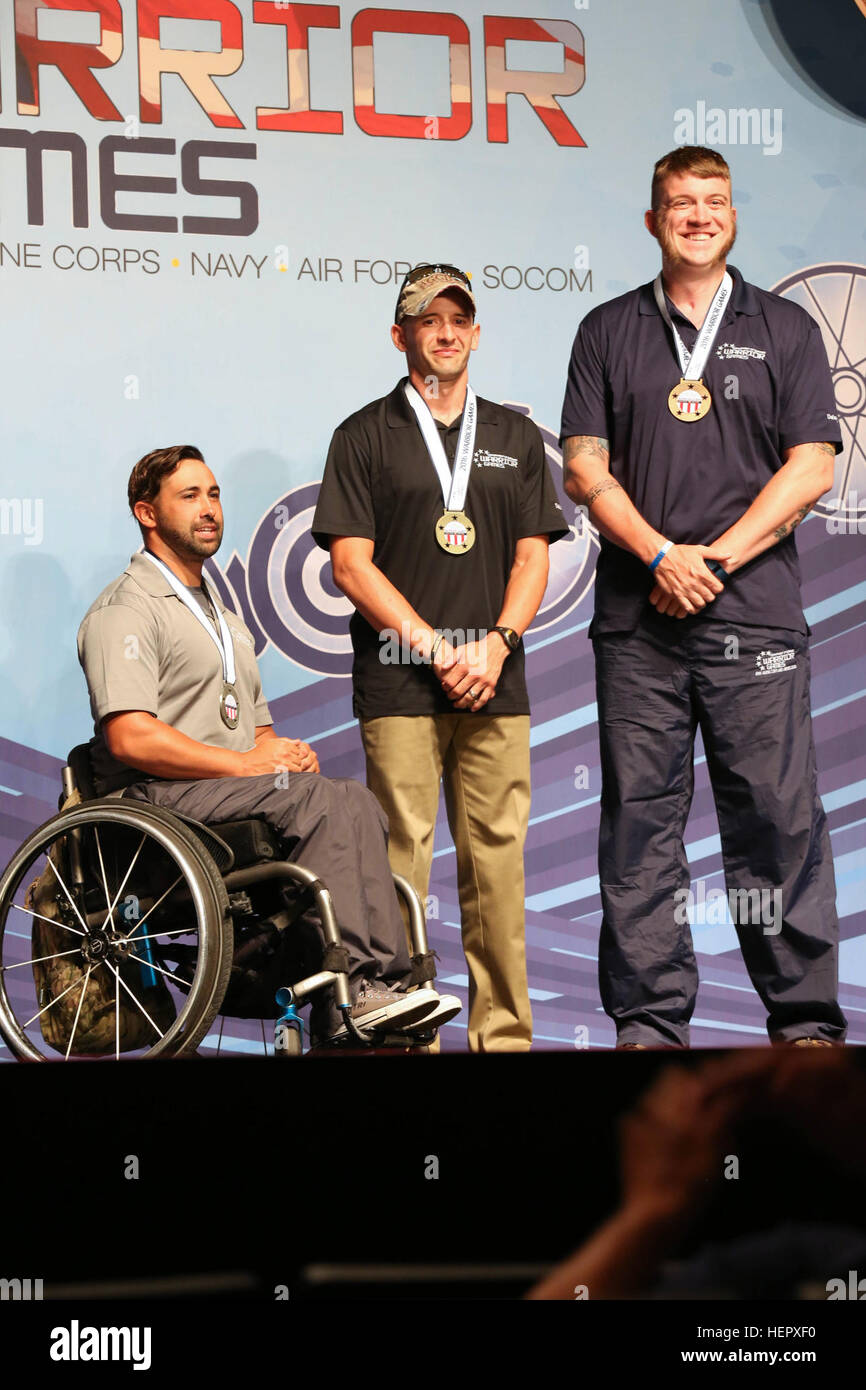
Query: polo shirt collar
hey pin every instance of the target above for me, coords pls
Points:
(153, 582)
(744, 300)
(398, 411)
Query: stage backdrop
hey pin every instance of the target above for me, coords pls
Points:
(205, 210)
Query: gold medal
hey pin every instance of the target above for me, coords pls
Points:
(689, 400)
(455, 533)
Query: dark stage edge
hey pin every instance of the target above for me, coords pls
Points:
(255, 1170)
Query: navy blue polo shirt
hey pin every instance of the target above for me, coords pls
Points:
(771, 389)
(380, 484)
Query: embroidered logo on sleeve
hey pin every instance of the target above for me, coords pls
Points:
(772, 663)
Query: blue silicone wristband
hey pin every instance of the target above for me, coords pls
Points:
(661, 555)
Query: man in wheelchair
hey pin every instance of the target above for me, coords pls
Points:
(181, 723)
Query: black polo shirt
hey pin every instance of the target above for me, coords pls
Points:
(770, 384)
(380, 484)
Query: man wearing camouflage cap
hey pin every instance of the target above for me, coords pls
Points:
(438, 511)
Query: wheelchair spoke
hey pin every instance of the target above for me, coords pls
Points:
(125, 878)
(137, 1002)
(141, 923)
(52, 1002)
(51, 920)
(117, 1017)
(157, 935)
(36, 959)
(152, 965)
(72, 903)
(77, 1013)
(104, 878)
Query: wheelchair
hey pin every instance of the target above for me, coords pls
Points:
(125, 929)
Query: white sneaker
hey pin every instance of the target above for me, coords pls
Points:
(447, 1007)
(378, 1007)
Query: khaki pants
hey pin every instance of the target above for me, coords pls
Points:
(483, 763)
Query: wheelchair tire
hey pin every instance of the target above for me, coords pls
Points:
(167, 878)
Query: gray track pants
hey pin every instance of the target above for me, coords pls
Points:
(334, 827)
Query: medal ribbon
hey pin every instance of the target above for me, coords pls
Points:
(692, 364)
(454, 484)
(223, 641)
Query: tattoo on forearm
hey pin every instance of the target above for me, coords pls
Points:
(787, 526)
(587, 446)
(591, 446)
(604, 486)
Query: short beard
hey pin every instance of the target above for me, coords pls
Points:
(444, 374)
(187, 546)
(672, 254)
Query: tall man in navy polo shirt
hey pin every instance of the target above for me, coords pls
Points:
(699, 429)
(438, 509)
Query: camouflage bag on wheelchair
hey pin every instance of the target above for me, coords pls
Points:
(60, 978)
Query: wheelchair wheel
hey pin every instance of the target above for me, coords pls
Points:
(115, 937)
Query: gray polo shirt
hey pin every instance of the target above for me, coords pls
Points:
(142, 649)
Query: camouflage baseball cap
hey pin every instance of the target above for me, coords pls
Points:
(421, 286)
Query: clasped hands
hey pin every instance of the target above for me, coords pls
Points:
(469, 674)
(684, 585)
(278, 755)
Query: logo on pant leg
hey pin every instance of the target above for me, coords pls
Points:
(771, 663)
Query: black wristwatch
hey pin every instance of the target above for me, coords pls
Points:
(509, 637)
